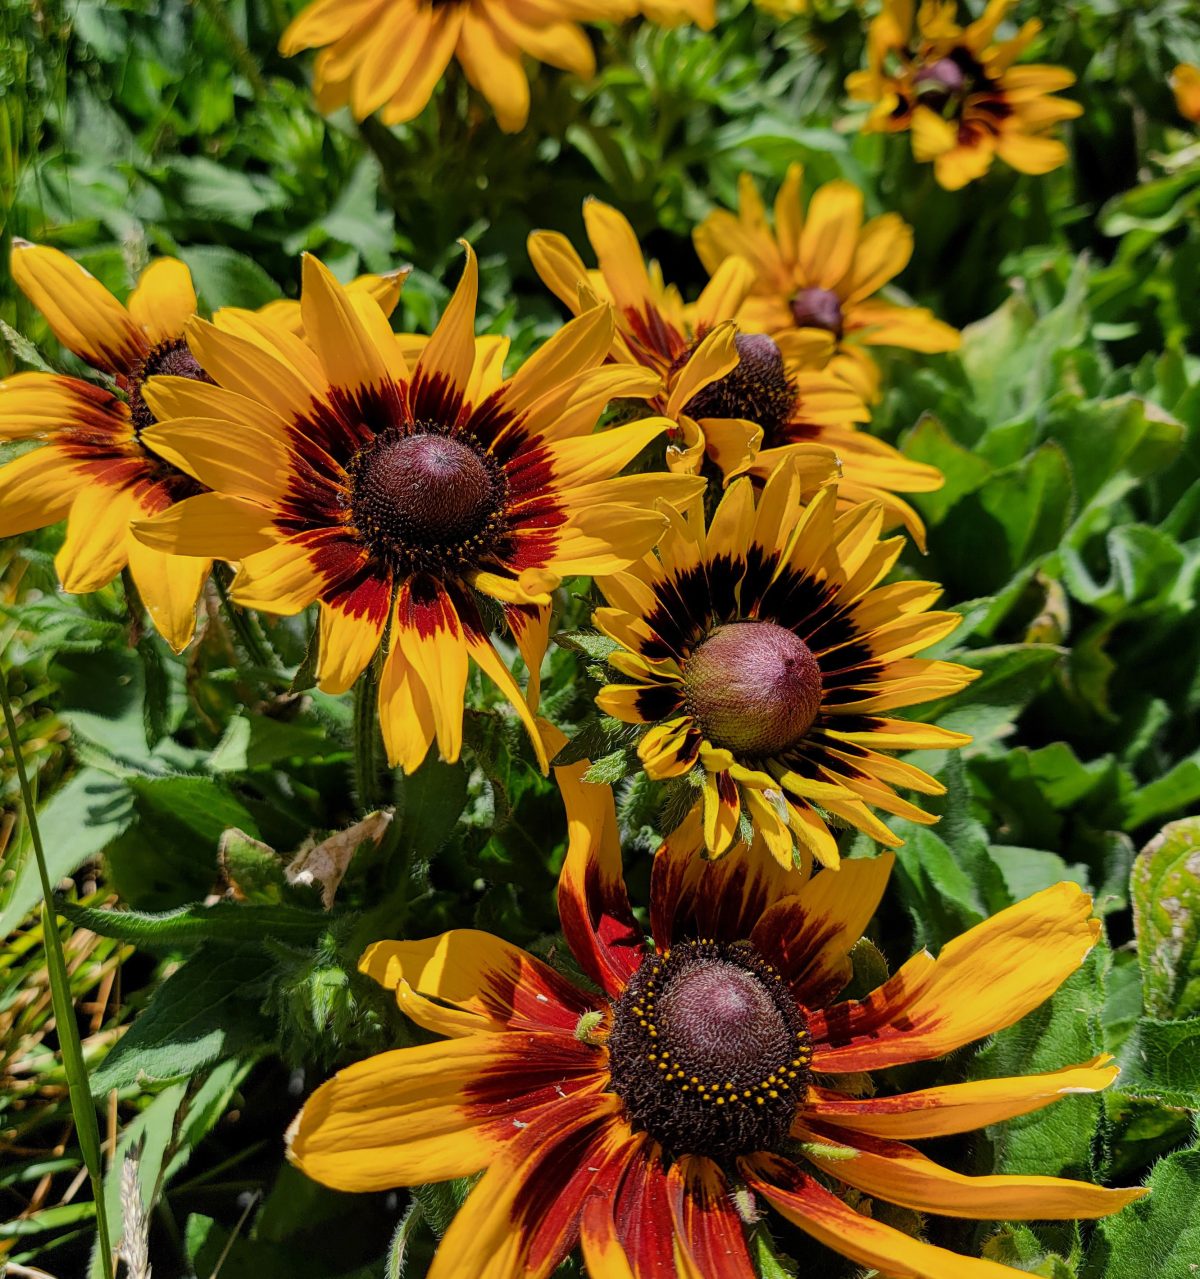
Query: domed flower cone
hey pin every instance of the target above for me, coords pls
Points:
(762, 655)
(960, 93)
(816, 274)
(405, 498)
(626, 1120)
(389, 55)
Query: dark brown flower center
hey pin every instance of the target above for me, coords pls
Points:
(753, 687)
(426, 497)
(818, 309)
(708, 1050)
(757, 389)
(172, 358)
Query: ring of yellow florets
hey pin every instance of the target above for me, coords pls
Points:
(428, 498)
(709, 1052)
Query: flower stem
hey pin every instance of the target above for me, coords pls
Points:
(367, 740)
(245, 627)
(82, 1107)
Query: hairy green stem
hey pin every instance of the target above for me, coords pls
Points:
(367, 740)
(236, 45)
(244, 626)
(82, 1107)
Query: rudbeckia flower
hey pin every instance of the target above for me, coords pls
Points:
(1185, 83)
(960, 93)
(93, 469)
(762, 655)
(727, 393)
(388, 55)
(428, 499)
(822, 270)
(705, 1079)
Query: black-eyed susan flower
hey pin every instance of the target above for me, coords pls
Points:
(821, 269)
(388, 55)
(1185, 84)
(959, 91)
(726, 392)
(762, 655)
(427, 500)
(91, 467)
(650, 1121)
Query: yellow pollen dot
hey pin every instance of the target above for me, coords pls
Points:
(651, 1057)
(720, 1101)
(662, 1065)
(653, 1033)
(791, 1074)
(695, 1079)
(760, 1101)
(642, 1022)
(684, 1088)
(730, 1088)
(773, 1094)
(747, 1093)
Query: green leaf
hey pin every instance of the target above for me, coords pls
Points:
(169, 855)
(77, 823)
(1158, 1235)
(1166, 911)
(1068, 1027)
(224, 277)
(206, 1011)
(222, 923)
(590, 643)
(1011, 677)
(1161, 1061)
(430, 804)
(964, 470)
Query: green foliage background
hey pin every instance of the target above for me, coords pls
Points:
(1068, 536)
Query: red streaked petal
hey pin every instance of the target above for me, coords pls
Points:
(706, 1223)
(902, 1175)
(352, 623)
(519, 1198)
(488, 983)
(807, 1204)
(603, 1256)
(981, 982)
(444, 368)
(592, 902)
(426, 1113)
(430, 635)
(954, 1108)
(644, 1222)
(808, 937)
(723, 898)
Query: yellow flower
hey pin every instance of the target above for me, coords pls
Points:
(388, 55)
(960, 93)
(1185, 81)
(651, 1117)
(93, 469)
(822, 270)
(727, 393)
(426, 499)
(762, 655)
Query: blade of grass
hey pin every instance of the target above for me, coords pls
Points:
(82, 1108)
